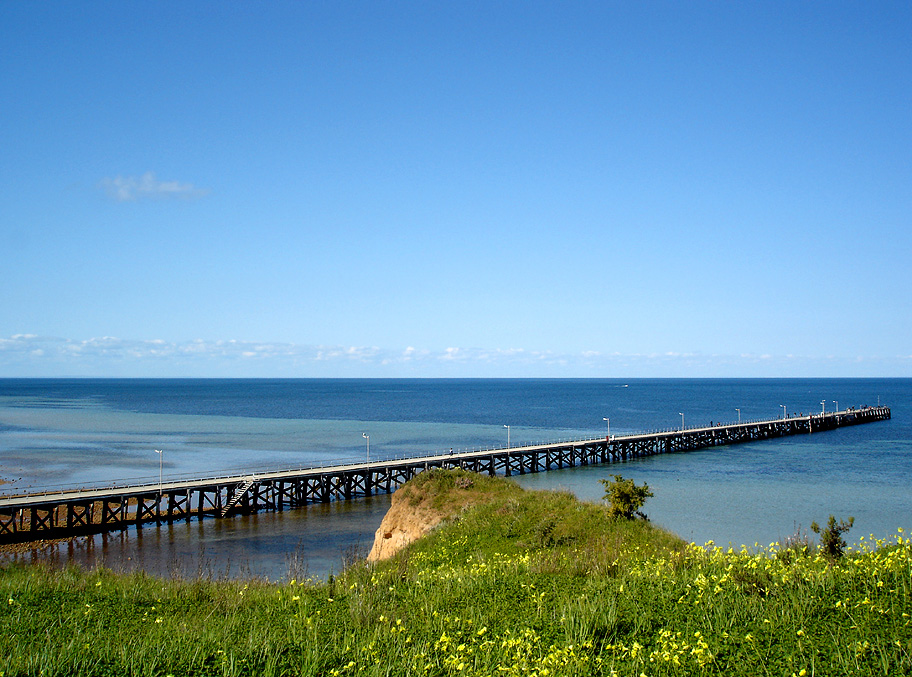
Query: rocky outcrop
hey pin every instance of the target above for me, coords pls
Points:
(425, 501)
(406, 521)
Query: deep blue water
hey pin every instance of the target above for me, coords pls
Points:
(543, 403)
(65, 432)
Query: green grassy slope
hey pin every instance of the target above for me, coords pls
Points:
(513, 583)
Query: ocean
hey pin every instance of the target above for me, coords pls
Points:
(57, 433)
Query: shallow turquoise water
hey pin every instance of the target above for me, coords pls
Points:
(82, 432)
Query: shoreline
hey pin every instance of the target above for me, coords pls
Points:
(8, 549)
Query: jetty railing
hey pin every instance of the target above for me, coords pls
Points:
(57, 514)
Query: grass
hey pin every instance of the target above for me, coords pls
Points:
(514, 583)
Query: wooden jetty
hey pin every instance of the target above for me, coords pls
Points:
(32, 517)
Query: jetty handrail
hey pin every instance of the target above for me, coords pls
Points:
(153, 483)
(68, 513)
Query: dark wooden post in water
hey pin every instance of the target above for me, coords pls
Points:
(43, 516)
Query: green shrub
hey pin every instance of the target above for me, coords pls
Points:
(831, 541)
(624, 497)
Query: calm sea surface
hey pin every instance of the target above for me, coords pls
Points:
(80, 432)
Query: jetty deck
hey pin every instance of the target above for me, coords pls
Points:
(59, 514)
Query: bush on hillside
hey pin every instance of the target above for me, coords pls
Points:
(624, 497)
(831, 541)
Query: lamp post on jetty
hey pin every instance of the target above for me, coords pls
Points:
(822, 406)
(681, 414)
(783, 412)
(836, 402)
(368, 438)
(608, 423)
(160, 453)
(739, 414)
(508, 435)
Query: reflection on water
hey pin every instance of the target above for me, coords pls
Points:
(313, 540)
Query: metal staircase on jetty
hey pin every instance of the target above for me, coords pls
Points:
(239, 494)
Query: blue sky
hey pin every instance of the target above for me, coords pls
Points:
(456, 189)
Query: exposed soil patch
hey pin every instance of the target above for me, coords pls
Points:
(420, 504)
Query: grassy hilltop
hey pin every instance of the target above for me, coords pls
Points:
(513, 582)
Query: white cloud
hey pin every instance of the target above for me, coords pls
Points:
(26, 355)
(133, 188)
